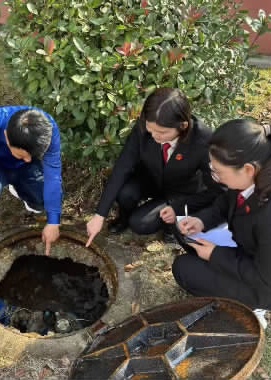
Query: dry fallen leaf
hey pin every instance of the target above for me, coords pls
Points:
(132, 266)
(155, 246)
(65, 361)
(41, 218)
(45, 372)
(135, 307)
(262, 373)
(20, 373)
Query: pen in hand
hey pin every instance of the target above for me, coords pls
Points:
(186, 212)
(181, 237)
(186, 215)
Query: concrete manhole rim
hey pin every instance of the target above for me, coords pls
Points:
(14, 236)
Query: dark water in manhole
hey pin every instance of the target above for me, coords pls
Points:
(44, 294)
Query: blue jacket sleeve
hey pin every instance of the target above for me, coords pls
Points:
(52, 176)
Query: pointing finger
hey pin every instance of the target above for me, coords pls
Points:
(47, 248)
(89, 241)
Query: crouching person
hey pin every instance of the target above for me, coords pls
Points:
(240, 153)
(30, 163)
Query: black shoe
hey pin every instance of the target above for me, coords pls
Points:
(118, 225)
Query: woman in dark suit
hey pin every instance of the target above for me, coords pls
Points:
(240, 152)
(163, 166)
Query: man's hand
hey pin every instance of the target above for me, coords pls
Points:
(94, 226)
(167, 214)
(50, 234)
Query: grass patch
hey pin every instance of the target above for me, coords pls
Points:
(258, 97)
(263, 371)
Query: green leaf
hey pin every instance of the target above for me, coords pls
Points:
(79, 116)
(100, 154)
(79, 44)
(33, 86)
(51, 74)
(59, 108)
(208, 93)
(168, 36)
(80, 79)
(32, 9)
(87, 151)
(17, 61)
(62, 65)
(186, 67)
(91, 123)
(96, 3)
(98, 21)
(96, 67)
(41, 52)
(112, 98)
(153, 41)
(164, 59)
(11, 43)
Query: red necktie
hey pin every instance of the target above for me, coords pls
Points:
(166, 147)
(240, 200)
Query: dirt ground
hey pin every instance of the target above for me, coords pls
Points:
(150, 264)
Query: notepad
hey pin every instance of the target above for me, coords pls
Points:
(219, 235)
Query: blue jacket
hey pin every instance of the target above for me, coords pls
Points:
(6, 312)
(51, 163)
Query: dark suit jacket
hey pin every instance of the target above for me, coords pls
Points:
(186, 178)
(250, 261)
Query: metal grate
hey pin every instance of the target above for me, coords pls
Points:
(198, 338)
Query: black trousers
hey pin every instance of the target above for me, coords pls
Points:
(143, 218)
(196, 276)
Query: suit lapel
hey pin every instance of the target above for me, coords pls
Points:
(232, 205)
(180, 153)
(182, 148)
(155, 157)
(249, 206)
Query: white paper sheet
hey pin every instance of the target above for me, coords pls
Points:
(219, 235)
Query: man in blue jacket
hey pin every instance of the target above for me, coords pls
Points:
(30, 163)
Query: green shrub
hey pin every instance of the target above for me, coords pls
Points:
(91, 63)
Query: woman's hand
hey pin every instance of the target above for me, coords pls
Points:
(167, 214)
(94, 226)
(191, 225)
(205, 250)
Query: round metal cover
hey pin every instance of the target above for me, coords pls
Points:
(198, 338)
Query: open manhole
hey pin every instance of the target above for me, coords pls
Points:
(60, 294)
(198, 338)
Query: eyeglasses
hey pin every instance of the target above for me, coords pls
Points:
(214, 173)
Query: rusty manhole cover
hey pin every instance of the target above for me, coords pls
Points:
(198, 338)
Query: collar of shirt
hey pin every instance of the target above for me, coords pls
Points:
(247, 192)
(173, 144)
